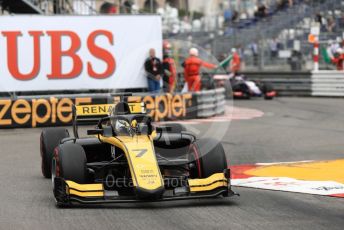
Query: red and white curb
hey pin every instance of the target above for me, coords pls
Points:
(324, 188)
(324, 178)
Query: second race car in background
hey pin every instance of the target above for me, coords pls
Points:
(241, 87)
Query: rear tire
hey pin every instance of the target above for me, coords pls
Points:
(266, 88)
(245, 90)
(212, 157)
(49, 140)
(69, 163)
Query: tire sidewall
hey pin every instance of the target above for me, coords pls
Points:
(213, 158)
(71, 159)
(49, 140)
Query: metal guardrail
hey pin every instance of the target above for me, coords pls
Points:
(210, 103)
(321, 83)
(328, 83)
(285, 83)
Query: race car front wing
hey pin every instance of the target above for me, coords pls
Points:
(68, 192)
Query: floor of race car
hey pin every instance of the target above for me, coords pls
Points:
(290, 129)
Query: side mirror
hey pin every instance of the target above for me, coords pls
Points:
(95, 132)
(107, 132)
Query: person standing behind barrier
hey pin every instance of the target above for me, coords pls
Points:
(338, 59)
(273, 45)
(170, 70)
(153, 67)
(235, 63)
(192, 66)
(254, 48)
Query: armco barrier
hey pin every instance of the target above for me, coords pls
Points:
(45, 111)
(328, 83)
(210, 102)
(285, 83)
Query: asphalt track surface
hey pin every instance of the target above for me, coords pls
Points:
(292, 129)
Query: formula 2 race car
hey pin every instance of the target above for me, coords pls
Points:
(243, 88)
(127, 159)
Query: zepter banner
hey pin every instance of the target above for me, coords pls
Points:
(55, 111)
(42, 53)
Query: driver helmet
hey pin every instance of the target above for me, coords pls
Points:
(121, 125)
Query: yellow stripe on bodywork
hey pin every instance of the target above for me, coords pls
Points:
(85, 190)
(105, 109)
(86, 194)
(214, 181)
(209, 187)
(143, 164)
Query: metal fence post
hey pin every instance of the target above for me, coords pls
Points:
(261, 51)
(151, 6)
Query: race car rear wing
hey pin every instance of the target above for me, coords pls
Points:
(91, 114)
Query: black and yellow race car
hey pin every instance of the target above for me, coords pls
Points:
(127, 159)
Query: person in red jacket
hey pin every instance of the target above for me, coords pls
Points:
(338, 60)
(170, 70)
(192, 66)
(235, 63)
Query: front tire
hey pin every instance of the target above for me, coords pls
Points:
(49, 140)
(212, 157)
(69, 163)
